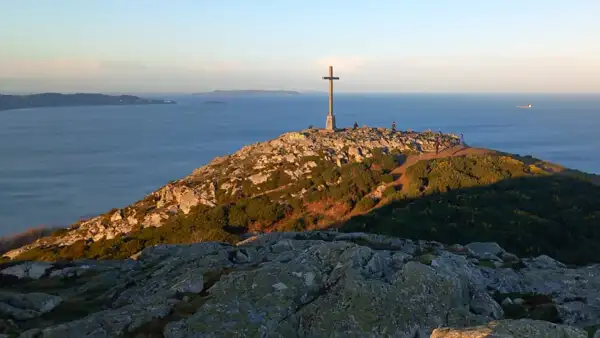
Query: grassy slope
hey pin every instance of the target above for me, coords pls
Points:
(495, 198)
(513, 201)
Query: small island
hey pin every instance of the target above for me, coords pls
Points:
(8, 102)
(250, 92)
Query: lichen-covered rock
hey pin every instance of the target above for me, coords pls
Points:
(109, 323)
(483, 304)
(33, 270)
(483, 250)
(523, 328)
(314, 293)
(26, 306)
(309, 284)
(544, 262)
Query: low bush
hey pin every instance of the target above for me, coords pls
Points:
(390, 191)
(365, 204)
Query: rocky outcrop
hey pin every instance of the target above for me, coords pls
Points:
(314, 284)
(32, 270)
(289, 157)
(26, 306)
(512, 329)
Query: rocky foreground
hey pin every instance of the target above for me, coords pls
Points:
(311, 284)
(252, 171)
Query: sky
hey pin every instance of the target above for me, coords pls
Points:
(185, 46)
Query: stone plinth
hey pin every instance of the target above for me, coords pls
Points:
(330, 124)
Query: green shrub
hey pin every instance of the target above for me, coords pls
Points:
(298, 225)
(73, 251)
(331, 174)
(59, 232)
(41, 254)
(304, 183)
(390, 191)
(237, 216)
(365, 204)
(314, 195)
(387, 178)
(213, 235)
(385, 161)
(262, 209)
(388, 162)
(218, 216)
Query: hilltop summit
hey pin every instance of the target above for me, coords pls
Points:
(252, 171)
(362, 179)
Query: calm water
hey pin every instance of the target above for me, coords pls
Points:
(60, 164)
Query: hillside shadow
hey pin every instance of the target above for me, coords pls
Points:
(557, 215)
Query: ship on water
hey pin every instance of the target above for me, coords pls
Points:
(525, 106)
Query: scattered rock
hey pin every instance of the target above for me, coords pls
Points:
(483, 250)
(26, 306)
(33, 270)
(110, 323)
(576, 312)
(518, 301)
(544, 262)
(69, 271)
(507, 301)
(508, 257)
(308, 284)
(483, 304)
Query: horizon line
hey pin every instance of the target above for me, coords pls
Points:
(108, 92)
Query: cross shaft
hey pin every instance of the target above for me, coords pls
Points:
(330, 78)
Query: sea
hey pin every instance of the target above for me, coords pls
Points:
(58, 165)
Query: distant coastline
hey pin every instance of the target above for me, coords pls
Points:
(250, 92)
(9, 102)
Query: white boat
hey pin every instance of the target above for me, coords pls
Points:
(525, 107)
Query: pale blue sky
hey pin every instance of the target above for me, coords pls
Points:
(375, 46)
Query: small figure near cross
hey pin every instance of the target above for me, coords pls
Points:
(394, 126)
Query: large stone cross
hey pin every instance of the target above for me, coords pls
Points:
(330, 124)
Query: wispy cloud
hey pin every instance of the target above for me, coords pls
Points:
(392, 73)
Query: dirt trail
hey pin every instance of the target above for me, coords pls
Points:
(450, 152)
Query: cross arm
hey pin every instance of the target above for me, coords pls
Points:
(330, 78)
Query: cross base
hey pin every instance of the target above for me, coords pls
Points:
(330, 123)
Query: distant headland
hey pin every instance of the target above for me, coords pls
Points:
(8, 102)
(250, 92)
